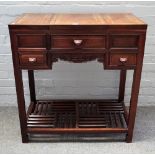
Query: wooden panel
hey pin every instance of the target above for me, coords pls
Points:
(33, 19)
(122, 60)
(124, 41)
(78, 19)
(78, 42)
(31, 40)
(120, 19)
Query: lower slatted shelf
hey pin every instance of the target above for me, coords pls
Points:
(76, 115)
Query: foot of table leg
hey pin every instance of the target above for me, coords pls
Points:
(128, 138)
(25, 139)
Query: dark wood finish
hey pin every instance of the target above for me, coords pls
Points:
(19, 91)
(123, 60)
(74, 130)
(33, 59)
(71, 42)
(135, 90)
(77, 114)
(32, 86)
(27, 59)
(115, 40)
(124, 41)
(31, 41)
(122, 85)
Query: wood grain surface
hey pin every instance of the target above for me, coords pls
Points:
(78, 19)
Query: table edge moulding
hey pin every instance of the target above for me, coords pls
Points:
(116, 40)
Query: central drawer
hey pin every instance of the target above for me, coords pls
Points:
(87, 42)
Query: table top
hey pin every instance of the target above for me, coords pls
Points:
(78, 19)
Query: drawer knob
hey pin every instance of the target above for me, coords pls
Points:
(32, 59)
(123, 60)
(77, 42)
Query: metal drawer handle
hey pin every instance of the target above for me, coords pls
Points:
(78, 42)
(123, 60)
(32, 59)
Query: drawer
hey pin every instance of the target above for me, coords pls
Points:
(124, 41)
(33, 60)
(122, 60)
(31, 40)
(73, 42)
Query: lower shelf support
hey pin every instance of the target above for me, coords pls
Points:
(82, 116)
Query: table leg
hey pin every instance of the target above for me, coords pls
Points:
(32, 86)
(21, 104)
(133, 103)
(19, 89)
(122, 85)
(135, 89)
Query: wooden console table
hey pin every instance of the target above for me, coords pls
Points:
(39, 40)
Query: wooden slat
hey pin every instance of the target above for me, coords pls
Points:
(121, 121)
(40, 126)
(30, 108)
(41, 116)
(40, 119)
(45, 108)
(36, 109)
(77, 130)
(77, 114)
(92, 125)
(40, 108)
(40, 122)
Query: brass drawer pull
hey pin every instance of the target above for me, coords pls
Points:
(32, 60)
(123, 59)
(78, 42)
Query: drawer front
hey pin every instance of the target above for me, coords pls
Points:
(73, 42)
(31, 41)
(37, 60)
(122, 60)
(126, 42)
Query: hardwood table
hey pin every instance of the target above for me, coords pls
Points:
(116, 40)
